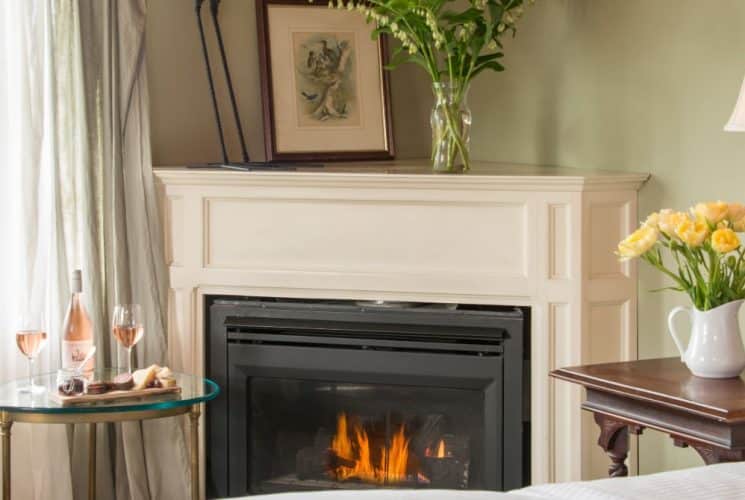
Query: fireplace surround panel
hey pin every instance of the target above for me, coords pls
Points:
(518, 235)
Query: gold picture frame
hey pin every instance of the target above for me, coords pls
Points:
(326, 94)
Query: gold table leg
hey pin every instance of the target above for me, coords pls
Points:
(92, 461)
(194, 418)
(5, 424)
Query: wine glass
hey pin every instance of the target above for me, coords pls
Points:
(31, 337)
(127, 328)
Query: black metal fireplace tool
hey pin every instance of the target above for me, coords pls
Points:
(246, 163)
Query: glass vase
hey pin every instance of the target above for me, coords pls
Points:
(451, 127)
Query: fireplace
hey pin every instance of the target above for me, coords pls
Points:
(323, 395)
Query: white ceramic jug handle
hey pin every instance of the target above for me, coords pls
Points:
(673, 331)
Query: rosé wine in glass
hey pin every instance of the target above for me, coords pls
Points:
(31, 337)
(127, 327)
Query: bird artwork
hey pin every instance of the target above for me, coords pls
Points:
(325, 82)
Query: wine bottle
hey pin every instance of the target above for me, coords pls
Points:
(77, 331)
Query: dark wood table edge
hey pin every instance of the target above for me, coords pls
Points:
(615, 425)
(587, 381)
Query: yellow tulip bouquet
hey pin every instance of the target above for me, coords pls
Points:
(708, 262)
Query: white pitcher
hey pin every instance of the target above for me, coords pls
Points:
(715, 349)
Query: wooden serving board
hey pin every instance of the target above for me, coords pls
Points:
(111, 396)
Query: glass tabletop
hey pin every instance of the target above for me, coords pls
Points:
(193, 390)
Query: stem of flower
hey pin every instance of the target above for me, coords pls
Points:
(455, 133)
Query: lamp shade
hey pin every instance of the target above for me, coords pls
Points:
(736, 122)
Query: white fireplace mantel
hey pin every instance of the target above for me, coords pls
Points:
(502, 234)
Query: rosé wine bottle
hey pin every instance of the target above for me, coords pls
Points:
(77, 331)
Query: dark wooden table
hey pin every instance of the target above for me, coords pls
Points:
(706, 414)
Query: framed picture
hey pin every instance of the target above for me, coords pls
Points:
(325, 92)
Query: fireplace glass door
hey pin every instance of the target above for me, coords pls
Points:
(324, 396)
(318, 435)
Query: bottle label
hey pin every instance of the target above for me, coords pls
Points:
(74, 352)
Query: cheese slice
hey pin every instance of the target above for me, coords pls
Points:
(144, 377)
(167, 382)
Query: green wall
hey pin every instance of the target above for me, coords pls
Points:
(643, 85)
(181, 117)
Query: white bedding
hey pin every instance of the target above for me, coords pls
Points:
(714, 482)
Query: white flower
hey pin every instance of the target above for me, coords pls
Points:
(500, 27)
(394, 26)
(492, 45)
(350, 6)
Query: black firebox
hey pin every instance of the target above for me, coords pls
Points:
(352, 395)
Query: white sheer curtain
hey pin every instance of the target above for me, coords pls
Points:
(76, 192)
(29, 257)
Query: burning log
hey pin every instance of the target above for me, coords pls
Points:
(446, 464)
(378, 453)
(334, 461)
(312, 463)
(446, 472)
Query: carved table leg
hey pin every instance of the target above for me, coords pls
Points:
(614, 439)
(5, 424)
(711, 454)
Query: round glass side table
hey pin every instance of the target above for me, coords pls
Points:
(18, 406)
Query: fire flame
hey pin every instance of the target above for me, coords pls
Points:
(355, 447)
(440, 453)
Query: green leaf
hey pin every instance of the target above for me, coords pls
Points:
(398, 5)
(495, 12)
(399, 57)
(489, 32)
(471, 14)
(667, 288)
(375, 34)
(492, 65)
(488, 57)
(478, 40)
(404, 57)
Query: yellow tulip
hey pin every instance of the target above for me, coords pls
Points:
(692, 232)
(724, 240)
(735, 211)
(652, 220)
(736, 216)
(712, 211)
(638, 243)
(668, 220)
(739, 225)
